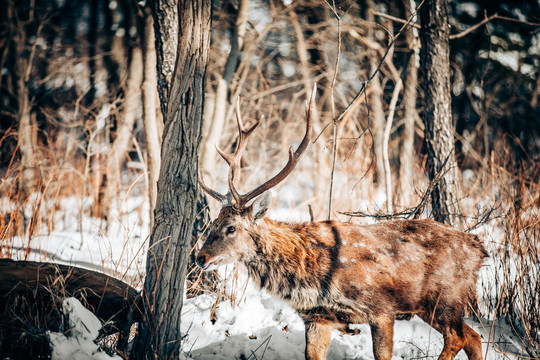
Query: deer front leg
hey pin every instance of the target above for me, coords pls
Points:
(318, 335)
(382, 336)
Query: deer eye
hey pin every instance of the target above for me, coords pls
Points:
(230, 229)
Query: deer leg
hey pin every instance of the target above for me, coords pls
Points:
(382, 336)
(460, 337)
(473, 344)
(318, 335)
(454, 339)
(453, 343)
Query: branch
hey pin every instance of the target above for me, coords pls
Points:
(390, 45)
(395, 19)
(386, 136)
(472, 28)
(464, 32)
(332, 87)
(413, 212)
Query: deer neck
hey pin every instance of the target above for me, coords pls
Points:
(283, 264)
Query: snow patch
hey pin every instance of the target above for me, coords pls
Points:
(78, 342)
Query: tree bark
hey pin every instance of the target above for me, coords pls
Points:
(437, 115)
(152, 130)
(165, 14)
(166, 30)
(170, 242)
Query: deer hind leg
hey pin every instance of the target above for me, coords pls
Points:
(473, 344)
(318, 335)
(454, 334)
(454, 341)
(382, 336)
(460, 336)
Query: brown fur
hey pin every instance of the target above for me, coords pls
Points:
(335, 274)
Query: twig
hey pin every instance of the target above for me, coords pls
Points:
(390, 45)
(472, 28)
(334, 145)
(413, 212)
(395, 19)
(464, 32)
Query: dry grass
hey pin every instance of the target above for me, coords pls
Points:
(507, 192)
(511, 230)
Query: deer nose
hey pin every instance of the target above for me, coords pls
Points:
(202, 260)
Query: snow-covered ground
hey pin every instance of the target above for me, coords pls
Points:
(254, 325)
(78, 342)
(84, 241)
(258, 326)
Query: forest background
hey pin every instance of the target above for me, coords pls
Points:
(80, 114)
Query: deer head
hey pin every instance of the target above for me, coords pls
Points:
(230, 234)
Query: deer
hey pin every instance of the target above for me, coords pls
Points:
(335, 274)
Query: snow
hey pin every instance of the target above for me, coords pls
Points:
(253, 324)
(78, 342)
(470, 8)
(267, 327)
(85, 242)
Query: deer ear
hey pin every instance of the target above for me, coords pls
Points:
(260, 205)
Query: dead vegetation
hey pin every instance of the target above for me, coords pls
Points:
(31, 296)
(499, 167)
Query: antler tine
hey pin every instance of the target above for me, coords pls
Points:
(234, 160)
(291, 163)
(219, 197)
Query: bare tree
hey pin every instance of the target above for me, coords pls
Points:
(166, 26)
(376, 98)
(153, 127)
(170, 242)
(407, 154)
(437, 115)
(27, 130)
(117, 154)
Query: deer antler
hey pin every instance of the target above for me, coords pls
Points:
(291, 163)
(219, 197)
(234, 160)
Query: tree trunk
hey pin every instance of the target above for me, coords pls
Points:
(27, 130)
(437, 115)
(170, 242)
(151, 127)
(320, 170)
(117, 155)
(376, 100)
(407, 154)
(166, 31)
(27, 137)
(165, 15)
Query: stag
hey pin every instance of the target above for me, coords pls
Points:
(335, 274)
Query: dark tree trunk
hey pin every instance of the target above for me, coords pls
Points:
(165, 13)
(165, 26)
(437, 115)
(171, 238)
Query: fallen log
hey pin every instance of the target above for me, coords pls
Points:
(31, 295)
